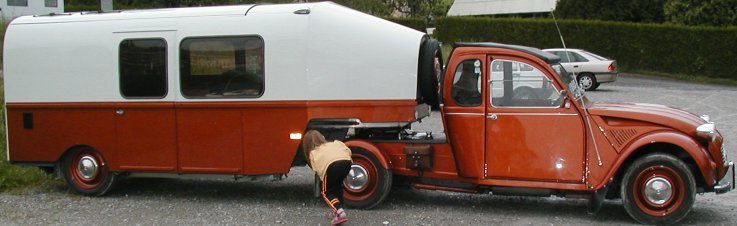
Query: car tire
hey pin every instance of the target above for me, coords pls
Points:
(368, 183)
(587, 81)
(84, 170)
(430, 68)
(658, 189)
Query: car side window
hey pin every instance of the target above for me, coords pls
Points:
(578, 58)
(563, 56)
(466, 90)
(523, 88)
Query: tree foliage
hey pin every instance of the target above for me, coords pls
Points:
(613, 10)
(701, 12)
(676, 49)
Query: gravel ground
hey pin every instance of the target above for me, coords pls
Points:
(147, 201)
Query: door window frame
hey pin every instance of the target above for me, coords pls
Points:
(546, 74)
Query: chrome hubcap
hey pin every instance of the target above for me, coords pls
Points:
(585, 82)
(658, 190)
(87, 167)
(357, 178)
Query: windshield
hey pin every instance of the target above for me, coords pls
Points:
(568, 80)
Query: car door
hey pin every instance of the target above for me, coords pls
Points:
(145, 119)
(566, 61)
(530, 133)
(463, 109)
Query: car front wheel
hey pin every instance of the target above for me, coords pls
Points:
(658, 189)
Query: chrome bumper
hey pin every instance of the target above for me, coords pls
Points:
(727, 183)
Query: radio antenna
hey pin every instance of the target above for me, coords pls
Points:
(558, 28)
(585, 108)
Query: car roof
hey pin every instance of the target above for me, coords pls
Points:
(562, 49)
(547, 57)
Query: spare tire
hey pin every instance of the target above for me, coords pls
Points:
(429, 70)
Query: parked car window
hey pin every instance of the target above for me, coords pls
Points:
(601, 58)
(564, 58)
(222, 67)
(521, 88)
(466, 90)
(577, 57)
(143, 68)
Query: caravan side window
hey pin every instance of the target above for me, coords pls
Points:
(222, 67)
(143, 68)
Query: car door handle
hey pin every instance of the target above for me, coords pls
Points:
(120, 112)
(575, 66)
(492, 117)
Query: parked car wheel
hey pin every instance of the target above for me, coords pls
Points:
(658, 189)
(85, 170)
(368, 183)
(587, 81)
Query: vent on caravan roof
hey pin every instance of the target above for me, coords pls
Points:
(53, 14)
(101, 12)
(302, 11)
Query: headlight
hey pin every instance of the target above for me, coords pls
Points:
(707, 130)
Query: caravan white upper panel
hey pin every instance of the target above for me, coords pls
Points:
(330, 53)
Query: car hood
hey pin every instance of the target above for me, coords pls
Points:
(678, 119)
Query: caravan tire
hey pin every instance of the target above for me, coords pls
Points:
(86, 172)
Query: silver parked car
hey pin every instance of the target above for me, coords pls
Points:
(591, 70)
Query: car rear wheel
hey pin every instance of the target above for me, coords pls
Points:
(658, 189)
(368, 183)
(587, 81)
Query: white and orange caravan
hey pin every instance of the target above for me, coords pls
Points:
(210, 90)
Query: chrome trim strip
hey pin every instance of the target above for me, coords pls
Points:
(524, 107)
(461, 113)
(536, 114)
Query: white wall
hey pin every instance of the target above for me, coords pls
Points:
(491, 7)
(35, 7)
